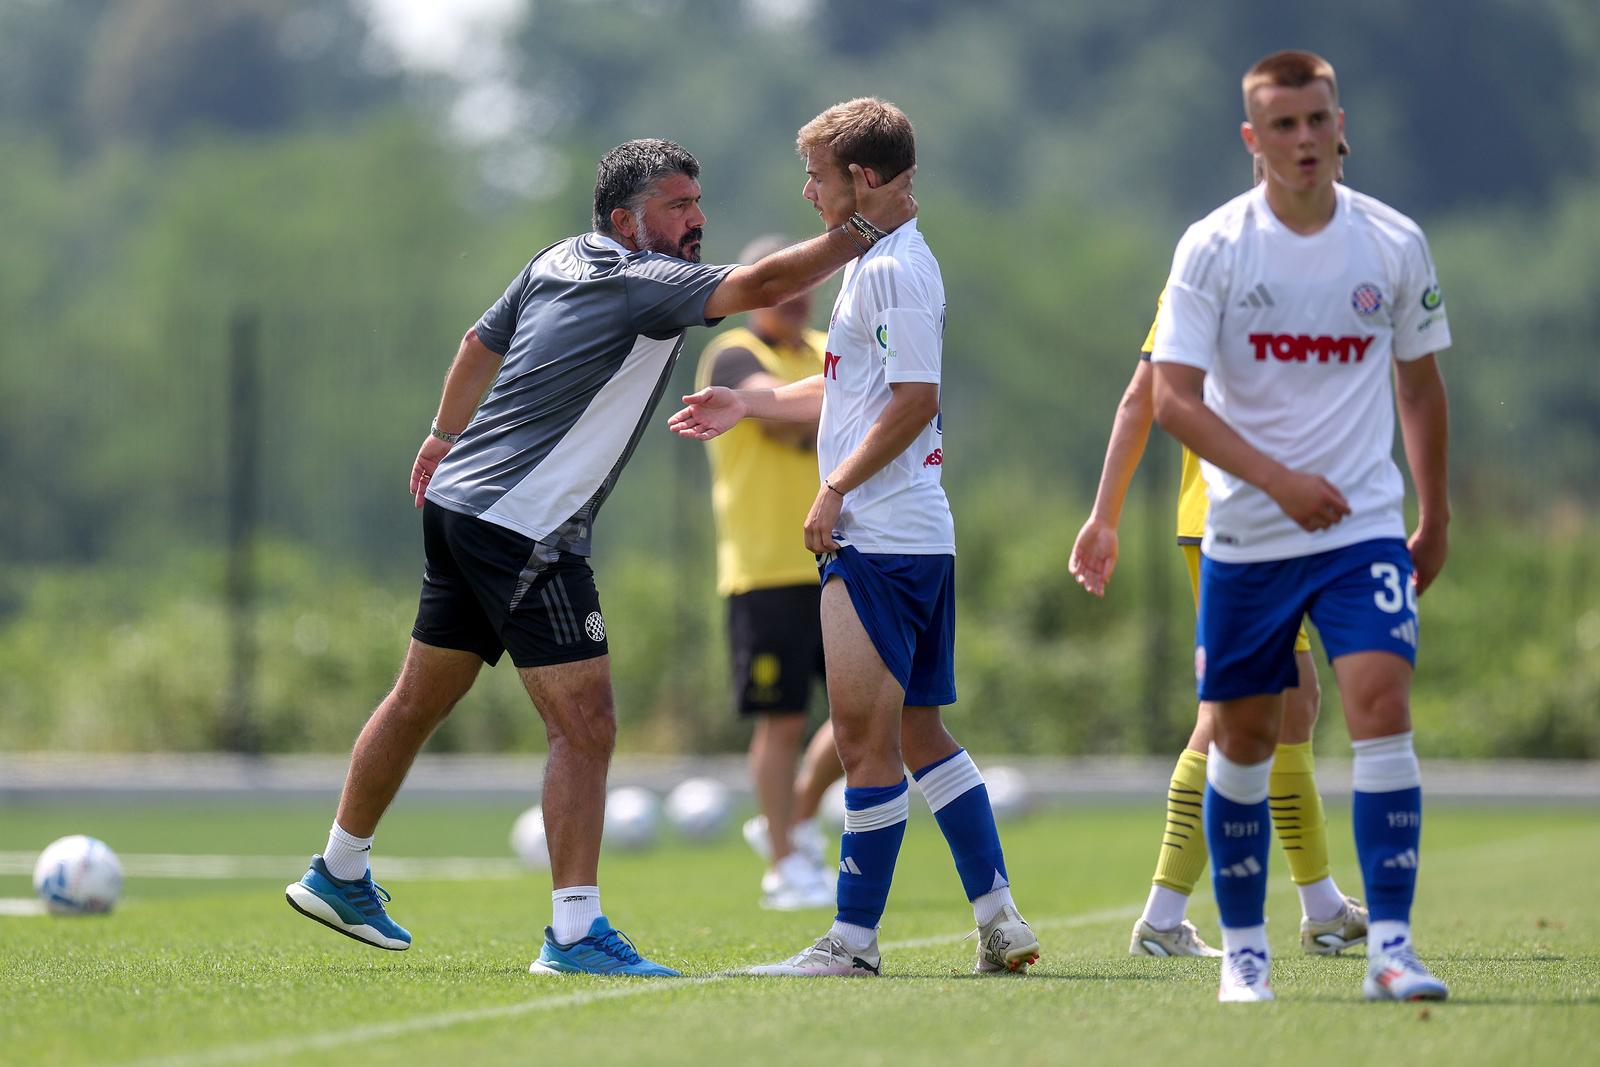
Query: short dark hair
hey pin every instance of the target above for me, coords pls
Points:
(629, 172)
(867, 132)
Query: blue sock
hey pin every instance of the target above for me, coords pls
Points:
(1388, 830)
(1239, 834)
(874, 826)
(1386, 810)
(955, 792)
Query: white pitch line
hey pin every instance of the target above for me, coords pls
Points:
(21, 906)
(185, 865)
(294, 1046)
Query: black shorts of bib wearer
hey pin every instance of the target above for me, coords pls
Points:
(488, 590)
(775, 647)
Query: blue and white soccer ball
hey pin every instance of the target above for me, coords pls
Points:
(528, 840)
(633, 818)
(699, 808)
(78, 875)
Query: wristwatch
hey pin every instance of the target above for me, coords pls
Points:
(448, 438)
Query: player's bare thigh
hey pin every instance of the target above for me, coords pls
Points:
(864, 700)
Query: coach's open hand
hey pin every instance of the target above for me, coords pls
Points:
(711, 411)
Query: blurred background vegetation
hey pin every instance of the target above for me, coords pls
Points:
(360, 178)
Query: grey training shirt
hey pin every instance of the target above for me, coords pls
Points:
(590, 333)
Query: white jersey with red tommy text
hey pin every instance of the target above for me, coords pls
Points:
(1298, 336)
(887, 327)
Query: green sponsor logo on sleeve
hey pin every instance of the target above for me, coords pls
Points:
(1431, 298)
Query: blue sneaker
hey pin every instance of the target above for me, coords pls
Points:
(355, 909)
(601, 951)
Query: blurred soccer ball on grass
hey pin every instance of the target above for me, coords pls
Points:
(633, 818)
(78, 875)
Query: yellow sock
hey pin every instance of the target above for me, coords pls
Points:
(1297, 814)
(1183, 842)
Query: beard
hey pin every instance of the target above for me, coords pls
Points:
(686, 248)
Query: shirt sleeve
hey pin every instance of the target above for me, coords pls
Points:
(1190, 317)
(1420, 325)
(911, 342)
(499, 324)
(732, 366)
(665, 293)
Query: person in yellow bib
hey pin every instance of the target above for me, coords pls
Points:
(763, 479)
(1331, 921)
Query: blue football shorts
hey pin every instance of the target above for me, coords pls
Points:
(908, 606)
(1360, 598)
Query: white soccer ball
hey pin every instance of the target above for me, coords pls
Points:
(1008, 792)
(528, 840)
(78, 875)
(699, 808)
(633, 816)
(831, 809)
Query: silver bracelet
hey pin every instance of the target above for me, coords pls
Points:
(447, 438)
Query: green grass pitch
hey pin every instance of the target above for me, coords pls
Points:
(200, 972)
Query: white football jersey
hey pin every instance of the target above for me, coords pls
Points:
(1297, 336)
(887, 326)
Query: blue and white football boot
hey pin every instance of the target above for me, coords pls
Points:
(1395, 973)
(355, 908)
(601, 951)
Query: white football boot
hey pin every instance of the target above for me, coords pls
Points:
(1246, 975)
(1006, 944)
(1181, 940)
(827, 958)
(1397, 974)
(1330, 937)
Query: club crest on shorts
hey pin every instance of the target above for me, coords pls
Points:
(595, 626)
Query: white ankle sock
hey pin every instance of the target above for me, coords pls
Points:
(854, 938)
(1165, 908)
(1387, 933)
(1321, 900)
(1235, 938)
(575, 909)
(347, 856)
(986, 907)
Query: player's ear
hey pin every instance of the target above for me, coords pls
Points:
(1247, 134)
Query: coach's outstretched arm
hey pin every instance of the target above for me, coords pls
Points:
(1309, 499)
(798, 268)
(716, 409)
(1425, 428)
(471, 373)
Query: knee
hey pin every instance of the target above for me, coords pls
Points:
(407, 707)
(590, 733)
(1382, 714)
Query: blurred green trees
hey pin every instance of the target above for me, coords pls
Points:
(171, 162)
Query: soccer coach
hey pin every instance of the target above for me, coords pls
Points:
(568, 363)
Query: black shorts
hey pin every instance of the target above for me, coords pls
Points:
(488, 590)
(775, 644)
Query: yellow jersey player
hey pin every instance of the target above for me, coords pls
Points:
(1330, 920)
(763, 476)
